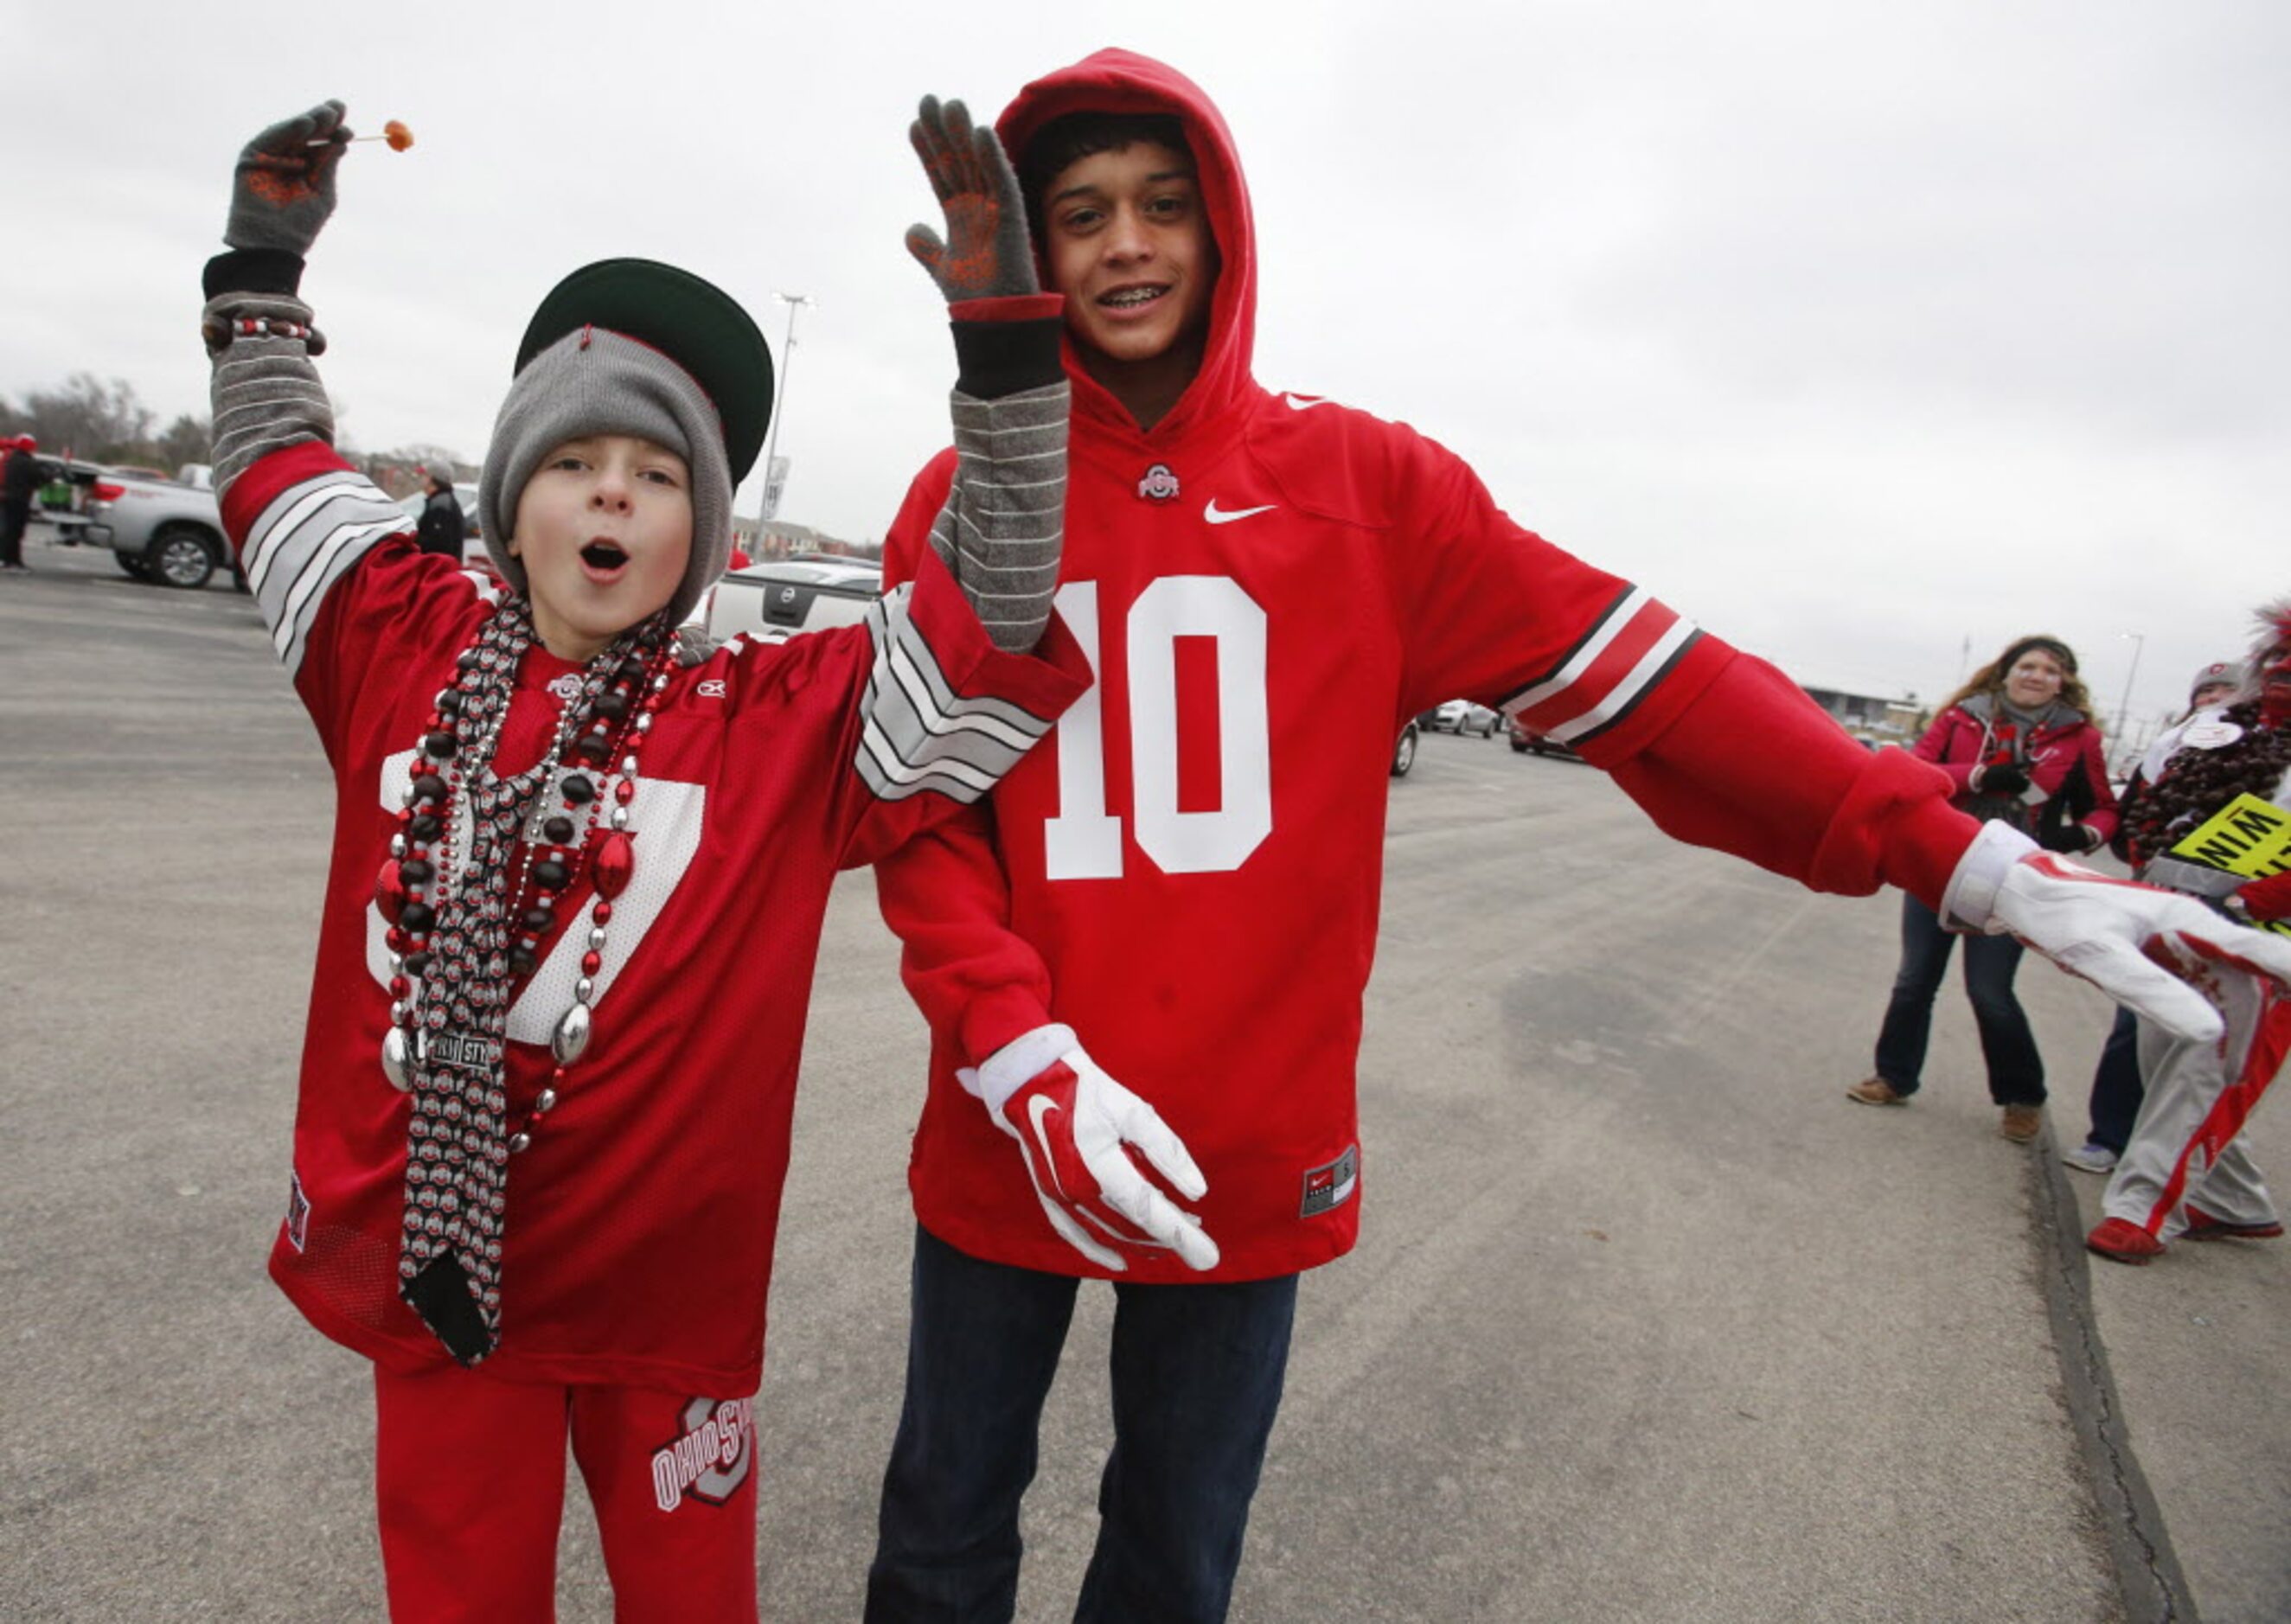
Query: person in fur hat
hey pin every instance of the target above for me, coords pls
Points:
(2187, 1169)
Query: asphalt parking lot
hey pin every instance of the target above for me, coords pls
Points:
(1647, 1322)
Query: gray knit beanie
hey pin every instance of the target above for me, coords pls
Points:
(593, 380)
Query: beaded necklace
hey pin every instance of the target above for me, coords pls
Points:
(476, 869)
(2197, 782)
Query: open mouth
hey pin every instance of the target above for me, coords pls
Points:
(603, 556)
(1132, 298)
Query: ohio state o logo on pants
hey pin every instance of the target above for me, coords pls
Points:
(711, 1459)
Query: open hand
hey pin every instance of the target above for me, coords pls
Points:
(986, 254)
(2151, 950)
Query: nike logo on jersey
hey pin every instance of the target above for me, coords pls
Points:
(1217, 515)
(1305, 403)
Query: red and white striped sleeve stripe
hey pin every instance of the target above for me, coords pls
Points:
(1619, 660)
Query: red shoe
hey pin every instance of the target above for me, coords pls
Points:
(2203, 1227)
(2120, 1240)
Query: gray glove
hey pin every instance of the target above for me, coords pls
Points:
(988, 254)
(283, 188)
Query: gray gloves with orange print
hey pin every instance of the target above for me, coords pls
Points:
(987, 252)
(282, 190)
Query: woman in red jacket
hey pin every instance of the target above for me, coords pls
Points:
(2021, 745)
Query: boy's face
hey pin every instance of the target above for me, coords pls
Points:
(604, 529)
(1129, 245)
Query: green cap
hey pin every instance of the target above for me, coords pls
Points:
(690, 320)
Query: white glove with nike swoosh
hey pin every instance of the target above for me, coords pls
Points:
(1074, 1126)
(2137, 944)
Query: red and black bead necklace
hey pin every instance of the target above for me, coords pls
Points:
(464, 932)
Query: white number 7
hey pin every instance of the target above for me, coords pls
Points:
(1084, 841)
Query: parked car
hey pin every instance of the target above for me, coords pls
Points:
(160, 530)
(1403, 751)
(773, 601)
(61, 502)
(1525, 738)
(1461, 716)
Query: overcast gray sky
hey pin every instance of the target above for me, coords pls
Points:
(1853, 330)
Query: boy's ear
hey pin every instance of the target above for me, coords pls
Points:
(511, 547)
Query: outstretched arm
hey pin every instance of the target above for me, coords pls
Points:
(1724, 750)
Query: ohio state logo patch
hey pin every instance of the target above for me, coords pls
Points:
(712, 1458)
(1331, 1185)
(1159, 485)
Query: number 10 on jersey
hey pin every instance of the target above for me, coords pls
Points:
(1084, 840)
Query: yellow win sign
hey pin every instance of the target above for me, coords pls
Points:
(2247, 836)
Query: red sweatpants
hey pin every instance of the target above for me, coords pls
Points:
(469, 1480)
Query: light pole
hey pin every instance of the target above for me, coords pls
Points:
(2138, 643)
(765, 511)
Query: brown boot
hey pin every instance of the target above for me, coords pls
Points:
(1876, 1092)
(2021, 1123)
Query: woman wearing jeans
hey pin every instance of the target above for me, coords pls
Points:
(2020, 743)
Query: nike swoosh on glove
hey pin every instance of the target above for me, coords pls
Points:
(1075, 1126)
(2140, 945)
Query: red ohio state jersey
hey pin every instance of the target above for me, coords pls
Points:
(640, 1221)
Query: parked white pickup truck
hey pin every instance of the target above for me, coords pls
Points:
(167, 531)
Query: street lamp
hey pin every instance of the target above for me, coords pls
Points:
(765, 509)
(2138, 643)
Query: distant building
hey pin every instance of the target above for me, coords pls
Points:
(1866, 716)
(779, 538)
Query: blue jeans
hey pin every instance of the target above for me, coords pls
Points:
(2016, 1073)
(1197, 1372)
(2116, 1090)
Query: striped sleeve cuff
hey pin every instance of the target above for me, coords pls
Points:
(1620, 660)
(945, 710)
(303, 539)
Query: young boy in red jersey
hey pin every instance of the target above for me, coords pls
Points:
(550, 1065)
(1268, 585)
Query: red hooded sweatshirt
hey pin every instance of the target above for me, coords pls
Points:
(1268, 585)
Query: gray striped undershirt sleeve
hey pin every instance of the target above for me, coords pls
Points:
(1004, 522)
(266, 393)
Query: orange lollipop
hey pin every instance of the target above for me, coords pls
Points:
(395, 132)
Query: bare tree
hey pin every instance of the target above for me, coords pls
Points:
(86, 416)
(188, 440)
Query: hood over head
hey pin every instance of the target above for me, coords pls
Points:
(1116, 81)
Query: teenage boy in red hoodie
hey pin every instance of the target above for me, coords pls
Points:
(1267, 586)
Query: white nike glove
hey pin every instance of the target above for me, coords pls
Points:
(1074, 1126)
(2142, 946)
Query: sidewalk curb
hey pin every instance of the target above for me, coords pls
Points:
(2148, 1576)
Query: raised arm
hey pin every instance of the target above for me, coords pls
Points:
(299, 518)
(265, 392)
(1000, 532)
